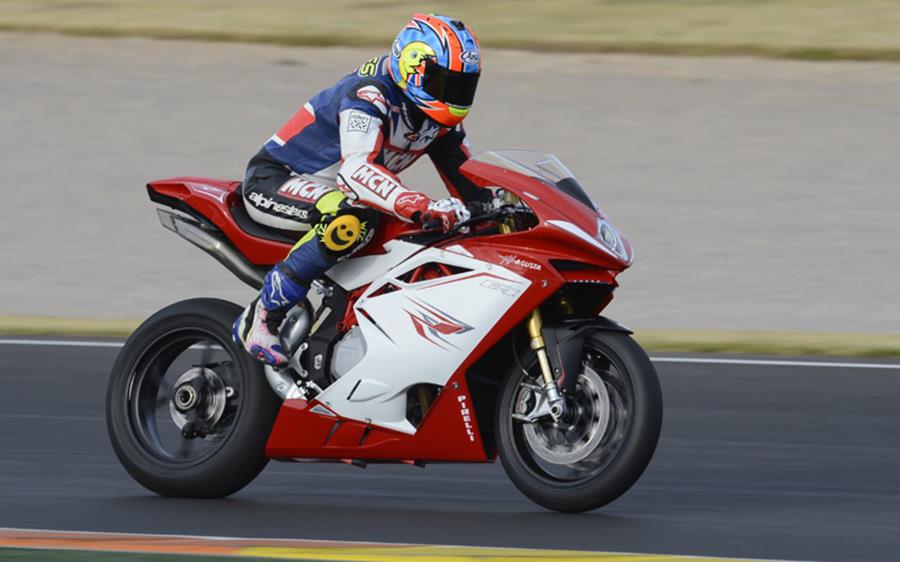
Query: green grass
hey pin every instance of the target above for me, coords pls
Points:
(49, 326)
(765, 343)
(805, 29)
(773, 343)
(37, 555)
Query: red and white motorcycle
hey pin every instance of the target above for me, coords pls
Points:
(424, 347)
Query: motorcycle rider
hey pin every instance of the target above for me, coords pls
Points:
(332, 167)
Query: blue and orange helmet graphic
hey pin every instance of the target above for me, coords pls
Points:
(436, 61)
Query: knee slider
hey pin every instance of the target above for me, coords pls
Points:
(347, 230)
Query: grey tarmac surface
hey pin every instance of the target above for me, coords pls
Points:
(792, 463)
(759, 195)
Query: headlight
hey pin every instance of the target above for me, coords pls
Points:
(611, 239)
(607, 238)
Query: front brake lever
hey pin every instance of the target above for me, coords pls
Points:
(490, 215)
(493, 214)
(431, 225)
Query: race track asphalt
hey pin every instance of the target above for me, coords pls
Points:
(759, 461)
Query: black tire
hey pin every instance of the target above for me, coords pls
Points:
(236, 443)
(637, 435)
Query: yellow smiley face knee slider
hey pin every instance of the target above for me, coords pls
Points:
(341, 233)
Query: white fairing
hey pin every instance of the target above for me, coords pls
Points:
(348, 352)
(417, 333)
(356, 272)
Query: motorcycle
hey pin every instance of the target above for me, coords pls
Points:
(423, 347)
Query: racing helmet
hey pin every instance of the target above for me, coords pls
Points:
(436, 61)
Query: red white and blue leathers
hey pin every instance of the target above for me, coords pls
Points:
(339, 155)
(355, 136)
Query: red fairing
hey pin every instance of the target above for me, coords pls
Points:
(449, 432)
(445, 434)
(389, 228)
(549, 205)
(213, 198)
(545, 201)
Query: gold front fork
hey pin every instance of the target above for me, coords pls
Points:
(535, 323)
(507, 225)
(557, 404)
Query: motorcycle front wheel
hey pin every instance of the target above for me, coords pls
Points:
(187, 410)
(603, 444)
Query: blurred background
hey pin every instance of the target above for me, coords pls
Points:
(748, 149)
(760, 194)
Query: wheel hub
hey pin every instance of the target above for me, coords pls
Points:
(198, 399)
(185, 398)
(578, 436)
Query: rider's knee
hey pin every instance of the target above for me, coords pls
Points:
(346, 231)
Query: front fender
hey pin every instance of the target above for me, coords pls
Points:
(563, 342)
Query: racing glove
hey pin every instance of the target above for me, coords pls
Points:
(443, 213)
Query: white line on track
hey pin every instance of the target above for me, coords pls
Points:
(688, 360)
(63, 343)
(775, 363)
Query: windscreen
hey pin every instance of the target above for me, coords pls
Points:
(540, 165)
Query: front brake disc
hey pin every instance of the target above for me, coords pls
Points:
(566, 443)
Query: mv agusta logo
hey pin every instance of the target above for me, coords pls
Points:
(435, 325)
(509, 259)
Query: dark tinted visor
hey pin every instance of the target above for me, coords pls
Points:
(455, 88)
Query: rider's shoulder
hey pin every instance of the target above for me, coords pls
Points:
(375, 67)
(370, 84)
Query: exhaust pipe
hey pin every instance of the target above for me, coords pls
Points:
(215, 246)
(298, 321)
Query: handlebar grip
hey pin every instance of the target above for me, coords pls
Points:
(431, 224)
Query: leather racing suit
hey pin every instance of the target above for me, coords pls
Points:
(332, 167)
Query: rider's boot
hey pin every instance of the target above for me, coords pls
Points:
(257, 327)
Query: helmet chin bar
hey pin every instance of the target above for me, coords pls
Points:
(460, 112)
(447, 116)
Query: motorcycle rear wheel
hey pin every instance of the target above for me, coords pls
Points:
(188, 410)
(604, 445)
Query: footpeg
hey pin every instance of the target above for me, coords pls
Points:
(284, 385)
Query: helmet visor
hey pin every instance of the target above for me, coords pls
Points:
(454, 88)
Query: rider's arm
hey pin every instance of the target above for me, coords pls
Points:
(448, 152)
(363, 122)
